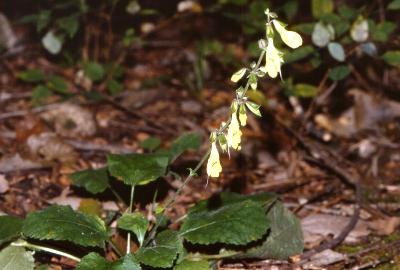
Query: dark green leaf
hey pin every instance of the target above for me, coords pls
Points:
(382, 31)
(192, 265)
(321, 7)
(62, 223)
(43, 19)
(339, 73)
(162, 252)
(137, 169)
(94, 181)
(392, 58)
(394, 5)
(93, 261)
(94, 71)
(10, 228)
(39, 94)
(16, 258)
(285, 238)
(136, 223)
(151, 143)
(304, 28)
(235, 223)
(298, 54)
(128, 262)
(57, 84)
(114, 87)
(304, 90)
(31, 75)
(69, 24)
(347, 12)
(183, 143)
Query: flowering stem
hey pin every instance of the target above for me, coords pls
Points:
(128, 240)
(23, 243)
(173, 199)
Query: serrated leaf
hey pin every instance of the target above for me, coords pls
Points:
(52, 43)
(136, 223)
(304, 90)
(193, 265)
(285, 238)
(31, 75)
(238, 75)
(94, 181)
(394, 5)
(94, 71)
(254, 108)
(13, 258)
(162, 252)
(339, 73)
(151, 143)
(137, 169)
(62, 223)
(235, 223)
(57, 84)
(336, 51)
(93, 261)
(392, 58)
(183, 143)
(10, 228)
(128, 262)
(321, 7)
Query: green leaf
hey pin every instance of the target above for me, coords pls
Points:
(93, 261)
(304, 28)
(304, 90)
(13, 258)
(339, 73)
(128, 262)
(10, 228)
(382, 31)
(238, 75)
(137, 169)
(346, 12)
(285, 238)
(254, 108)
(43, 19)
(392, 58)
(39, 94)
(57, 84)
(94, 181)
(394, 5)
(62, 223)
(336, 51)
(69, 24)
(31, 75)
(193, 265)
(298, 54)
(162, 252)
(52, 43)
(151, 143)
(114, 87)
(94, 71)
(183, 143)
(136, 223)
(235, 223)
(321, 7)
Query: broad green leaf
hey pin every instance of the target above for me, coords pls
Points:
(10, 228)
(162, 252)
(137, 169)
(136, 223)
(93, 261)
(183, 143)
(70, 24)
(94, 71)
(16, 258)
(94, 181)
(339, 73)
(31, 75)
(322, 34)
(57, 84)
(62, 223)
(359, 31)
(39, 94)
(304, 90)
(336, 51)
(321, 7)
(193, 265)
(151, 143)
(285, 238)
(381, 32)
(52, 43)
(298, 54)
(238, 75)
(254, 108)
(392, 58)
(234, 223)
(394, 5)
(128, 262)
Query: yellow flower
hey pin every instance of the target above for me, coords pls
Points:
(214, 167)
(234, 133)
(273, 60)
(291, 38)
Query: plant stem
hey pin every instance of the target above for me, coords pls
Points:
(173, 199)
(115, 248)
(23, 243)
(128, 241)
(119, 198)
(198, 256)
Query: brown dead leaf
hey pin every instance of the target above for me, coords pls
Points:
(385, 226)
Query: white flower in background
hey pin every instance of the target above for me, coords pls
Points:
(214, 167)
(273, 60)
(234, 133)
(290, 38)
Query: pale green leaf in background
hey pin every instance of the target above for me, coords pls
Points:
(16, 258)
(52, 43)
(336, 51)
